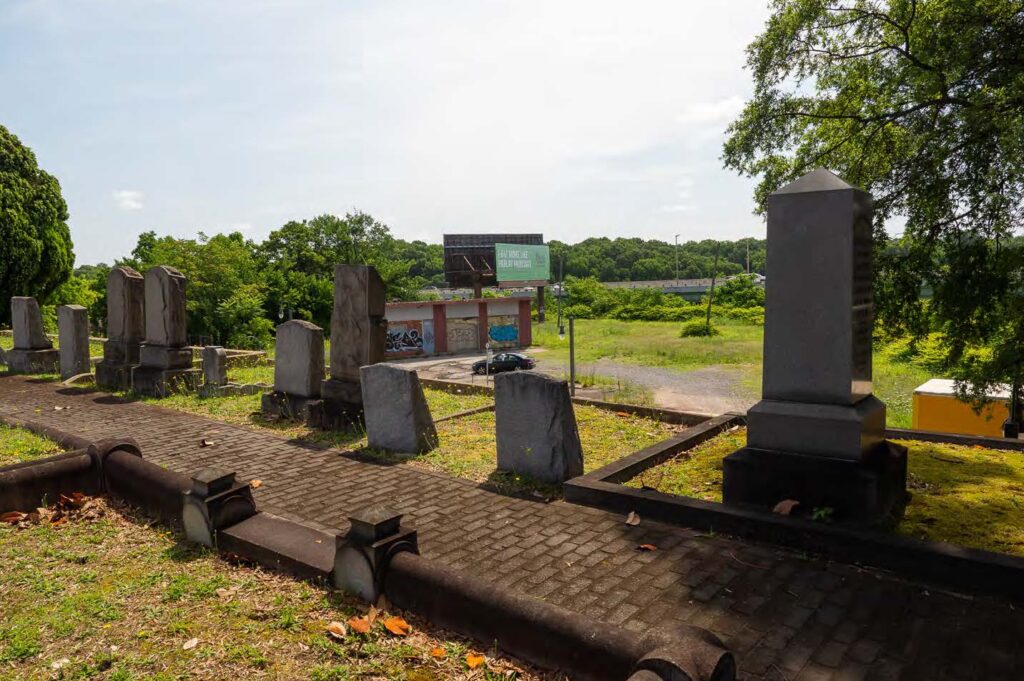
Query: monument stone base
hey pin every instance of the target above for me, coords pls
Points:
(21, 361)
(164, 357)
(113, 376)
(342, 406)
(121, 352)
(283, 405)
(831, 430)
(870, 491)
(158, 382)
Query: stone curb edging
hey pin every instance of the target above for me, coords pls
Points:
(657, 413)
(939, 563)
(525, 626)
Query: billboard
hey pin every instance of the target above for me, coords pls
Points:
(522, 263)
(469, 258)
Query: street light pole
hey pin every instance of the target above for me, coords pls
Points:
(561, 294)
(572, 357)
(677, 259)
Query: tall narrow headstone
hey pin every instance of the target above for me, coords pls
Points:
(298, 371)
(358, 339)
(215, 365)
(125, 328)
(73, 334)
(165, 360)
(395, 410)
(817, 435)
(33, 352)
(536, 427)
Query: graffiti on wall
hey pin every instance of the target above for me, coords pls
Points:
(405, 337)
(463, 334)
(504, 331)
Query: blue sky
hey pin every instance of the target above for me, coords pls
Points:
(574, 118)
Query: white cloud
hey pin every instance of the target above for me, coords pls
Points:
(128, 199)
(708, 114)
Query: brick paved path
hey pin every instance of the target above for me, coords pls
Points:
(785, 617)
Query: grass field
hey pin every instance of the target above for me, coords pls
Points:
(968, 496)
(7, 342)
(18, 444)
(739, 345)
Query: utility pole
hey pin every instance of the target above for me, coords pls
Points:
(711, 293)
(677, 260)
(748, 257)
(572, 357)
(561, 294)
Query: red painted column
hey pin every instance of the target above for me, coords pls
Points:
(482, 316)
(525, 324)
(440, 328)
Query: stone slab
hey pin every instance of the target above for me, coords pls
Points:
(126, 293)
(277, 404)
(21, 361)
(299, 358)
(838, 431)
(165, 307)
(536, 427)
(159, 382)
(872, 491)
(73, 333)
(281, 545)
(27, 322)
(358, 328)
(113, 376)
(395, 410)
(215, 365)
(121, 351)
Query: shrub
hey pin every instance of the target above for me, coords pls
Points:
(747, 315)
(697, 328)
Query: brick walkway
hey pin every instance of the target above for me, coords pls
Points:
(784, 616)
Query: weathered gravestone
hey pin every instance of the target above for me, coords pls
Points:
(817, 435)
(215, 365)
(33, 352)
(125, 328)
(73, 336)
(536, 427)
(358, 337)
(395, 410)
(298, 371)
(165, 360)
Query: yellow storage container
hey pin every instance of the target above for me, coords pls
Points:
(937, 409)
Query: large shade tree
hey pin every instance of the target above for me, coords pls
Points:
(36, 254)
(920, 102)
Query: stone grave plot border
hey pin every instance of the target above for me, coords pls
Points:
(673, 416)
(939, 563)
(378, 556)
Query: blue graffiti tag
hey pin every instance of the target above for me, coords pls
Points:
(504, 333)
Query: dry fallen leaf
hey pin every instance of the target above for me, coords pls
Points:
(256, 484)
(633, 518)
(205, 442)
(13, 517)
(397, 626)
(337, 630)
(473, 660)
(438, 653)
(226, 594)
(360, 625)
(785, 507)
(371, 614)
(647, 547)
(190, 644)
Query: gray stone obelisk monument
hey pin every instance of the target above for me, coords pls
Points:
(165, 359)
(358, 337)
(33, 352)
(125, 328)
(817, 435)
(73, 334)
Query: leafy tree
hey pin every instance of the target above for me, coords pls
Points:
(920, 102)
(35, 244)
(299, 262)
(740, 291)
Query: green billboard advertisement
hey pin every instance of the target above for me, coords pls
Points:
(521, 263)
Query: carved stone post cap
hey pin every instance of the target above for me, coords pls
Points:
(210, 481)
(374, 523)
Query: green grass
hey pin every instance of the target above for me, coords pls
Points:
(18, 444)
(658, 344)
(970, 496)
(95, 347)
(115, 598)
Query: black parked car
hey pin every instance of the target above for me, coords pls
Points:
(504, 361)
